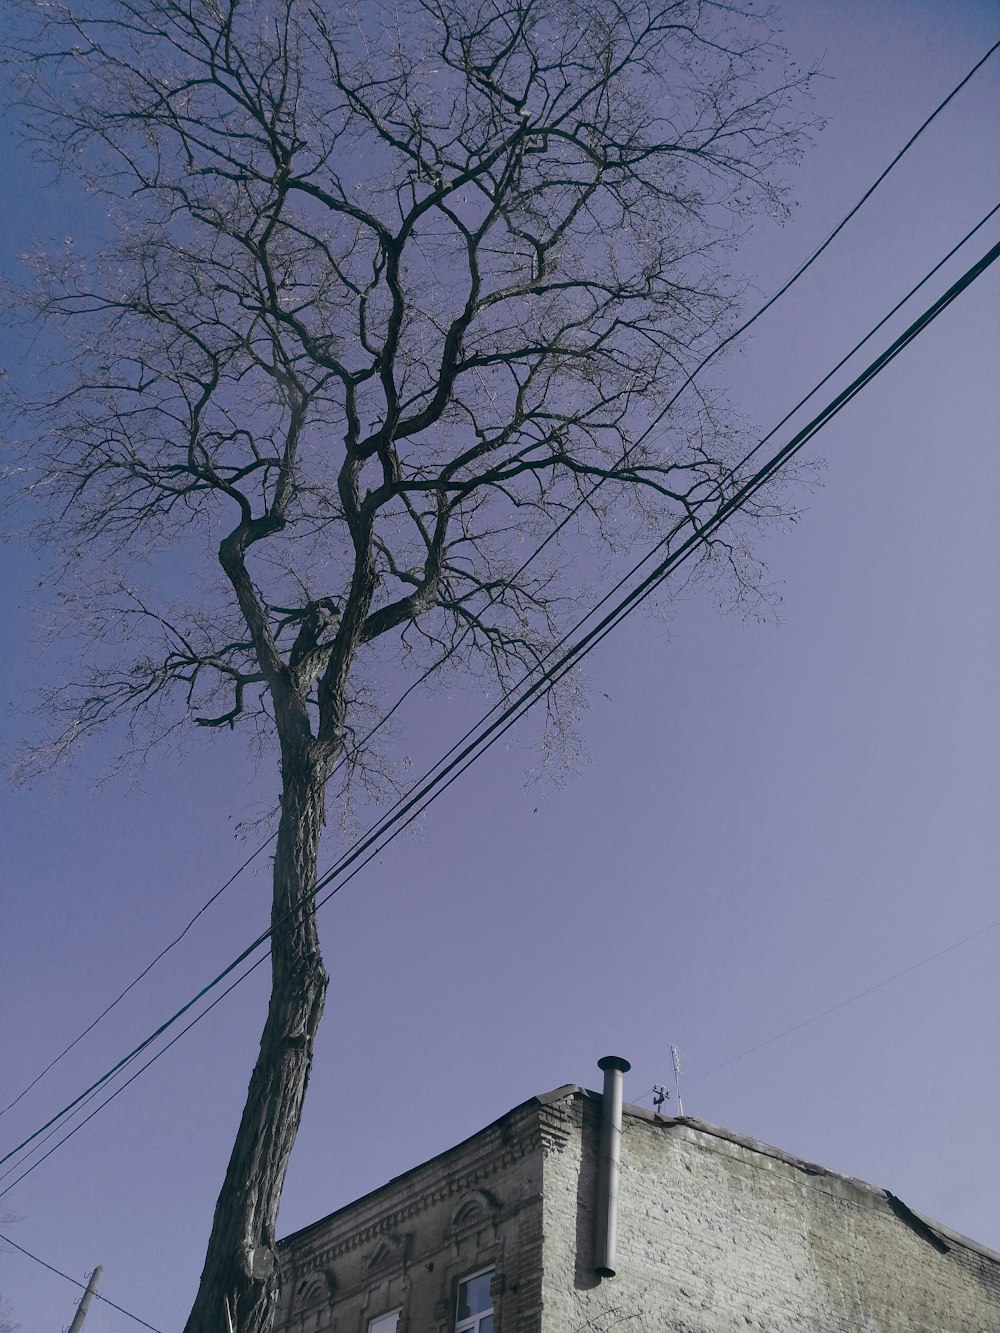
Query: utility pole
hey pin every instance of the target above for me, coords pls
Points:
(85, 1299)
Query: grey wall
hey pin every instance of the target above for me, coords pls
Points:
(717, 1233)
(411, 1242)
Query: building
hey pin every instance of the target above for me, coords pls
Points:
(575, 1214)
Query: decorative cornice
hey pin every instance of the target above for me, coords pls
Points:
(503, 1151)
(556, 1124)
(314, 1290)
(475, 1208)
(389, 1252)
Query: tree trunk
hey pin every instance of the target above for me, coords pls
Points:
(239, 1278)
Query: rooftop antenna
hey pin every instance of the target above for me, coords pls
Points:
(675, 1057)
(660, 1095)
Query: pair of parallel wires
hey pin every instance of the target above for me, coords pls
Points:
(484, 734)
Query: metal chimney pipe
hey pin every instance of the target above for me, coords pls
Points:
(609, 1157)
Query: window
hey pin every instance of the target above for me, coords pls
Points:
(474, 1309)
(384, 1323)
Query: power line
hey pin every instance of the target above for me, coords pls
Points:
(651, 581)
(405, 802)
(851, 999)
(143, 1045)
(550, 536)
(737, 333)
(135, 981)
(82, 1285)
(218, 893)
(688, 380)
(678, 527)
(434, 783)
(869, 335)
(122, 1086)
(814, 1018)
(41, 1142)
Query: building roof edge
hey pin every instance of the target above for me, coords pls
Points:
(568, 1090)
(545, 1099)
(875, 1192)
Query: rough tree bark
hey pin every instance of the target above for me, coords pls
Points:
(391, 295)
(238, 1277)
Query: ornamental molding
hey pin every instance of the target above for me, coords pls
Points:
(556, 1127)
(509, 1146)
(475, 1209)
(314, 1291)
(389, 1251)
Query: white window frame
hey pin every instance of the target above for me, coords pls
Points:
(380, 1323)
(472, 1323)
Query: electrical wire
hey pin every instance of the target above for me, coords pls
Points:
(842, 1004)
(751, 1050)
(467, 754)
(143, 1045)
(737, 333)
(651, 581)
(405, 802)
(870, 334)
(82, 1285)
(122, 1086)
(434, 784)
(590, 641)
(41, 1142)
(689, 379)
(135, 981)
(550, 536)
(218, 893)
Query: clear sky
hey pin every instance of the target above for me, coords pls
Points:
(770, 818)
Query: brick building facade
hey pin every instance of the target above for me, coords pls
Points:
(715, 1233)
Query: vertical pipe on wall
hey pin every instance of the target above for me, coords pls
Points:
(609, 1157)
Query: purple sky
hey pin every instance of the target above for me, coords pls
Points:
(770, 817)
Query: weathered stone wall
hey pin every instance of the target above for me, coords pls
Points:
(717, 1234)
(410, 1243)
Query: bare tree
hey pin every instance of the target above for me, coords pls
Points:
(390, 294)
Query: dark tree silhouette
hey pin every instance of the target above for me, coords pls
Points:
(389, 293)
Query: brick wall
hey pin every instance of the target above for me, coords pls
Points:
(410, 1243)
(717, 1234)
